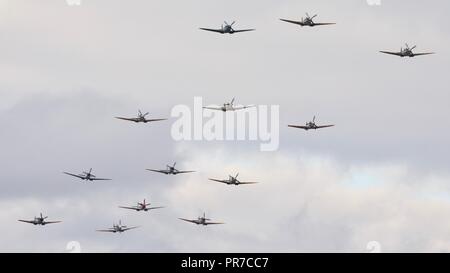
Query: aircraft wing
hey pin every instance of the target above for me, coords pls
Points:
(324, 126)
(128, 119)
(323, 24)
(155, 208)
(156, 119)
(105, 230)
(133, 208)
(420, 54)
(392, 53)
(158, 171)
(243, 30)
(52, 222)
(213, 30)
(76, 175)
(293, 22)
(185, 172)
(243, 107)
(218, 180)
(299, 127)
(100, 179)
(128, 228)
(214, 223)
(187, 220)
(213, 108)
(248, 183)
(26, 221)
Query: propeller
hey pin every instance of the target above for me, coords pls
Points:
(142, 115)
(309, 17)
(229, 25)
(236, 176)
(314, 119)
(232, 101)
(204, 217)
(410, 48)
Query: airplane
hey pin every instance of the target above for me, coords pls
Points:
(170, 170)
(308, 21)
(117, 228)
(228, 28)
(201, 221)
(229, 106)
(86, 176)
(40, 221)
(232, 181)
(144, 206)
(406, 52)
(310, 125)
(141, 118)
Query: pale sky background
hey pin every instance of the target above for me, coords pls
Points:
(380, 175)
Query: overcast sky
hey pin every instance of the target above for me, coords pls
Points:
(380, 175)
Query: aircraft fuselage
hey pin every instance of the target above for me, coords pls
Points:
(172, 170)
(311, 126)
(39, 221)
(227, 30)
(227, 107)
(308, 22)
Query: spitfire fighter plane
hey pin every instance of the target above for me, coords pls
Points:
(141, 118)
(232, 180)
(170, 170)
(202, 221)
(308, 21)
(40, 221)
(228, 28)
(229, 106)
(406, 52)
(311, 125)
(117, 228)
(144, 206)
(87, 176)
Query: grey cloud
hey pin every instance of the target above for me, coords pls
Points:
(67, 71)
